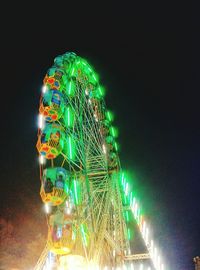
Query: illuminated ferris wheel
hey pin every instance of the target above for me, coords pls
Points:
(87, 197)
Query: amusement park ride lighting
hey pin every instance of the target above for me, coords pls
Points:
(104, 148)
(47, 208)
(70, 147)
(40, 121)
(128, 196)
(126, 189)
(41, 159)
(44, 89)
(68, 208)
(154, 254)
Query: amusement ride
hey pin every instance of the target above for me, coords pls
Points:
(92, 213)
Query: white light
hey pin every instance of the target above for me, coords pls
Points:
(143, 229)
(68, 211)
(124, 267)
(40, 121)
(162, 266)
(147, 236)
(44, 89)
(141, 266)
(132, 267)
(42, 159)
(47, 208)
(104, 148)
(149, 268)
(86, 92)
(68, 208)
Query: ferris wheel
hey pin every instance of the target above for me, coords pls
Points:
(86, 195)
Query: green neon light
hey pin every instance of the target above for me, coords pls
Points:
(113, 131)
(100, 92)
(109, 116)
(68, 116)
(70, 148)
(73, 71)
(70, 87)
(95, 77)
(127, 216)
(84, 63)
(116, 146)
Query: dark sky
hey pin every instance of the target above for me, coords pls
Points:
(147, 56)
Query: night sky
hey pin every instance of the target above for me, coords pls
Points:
(147, 57)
